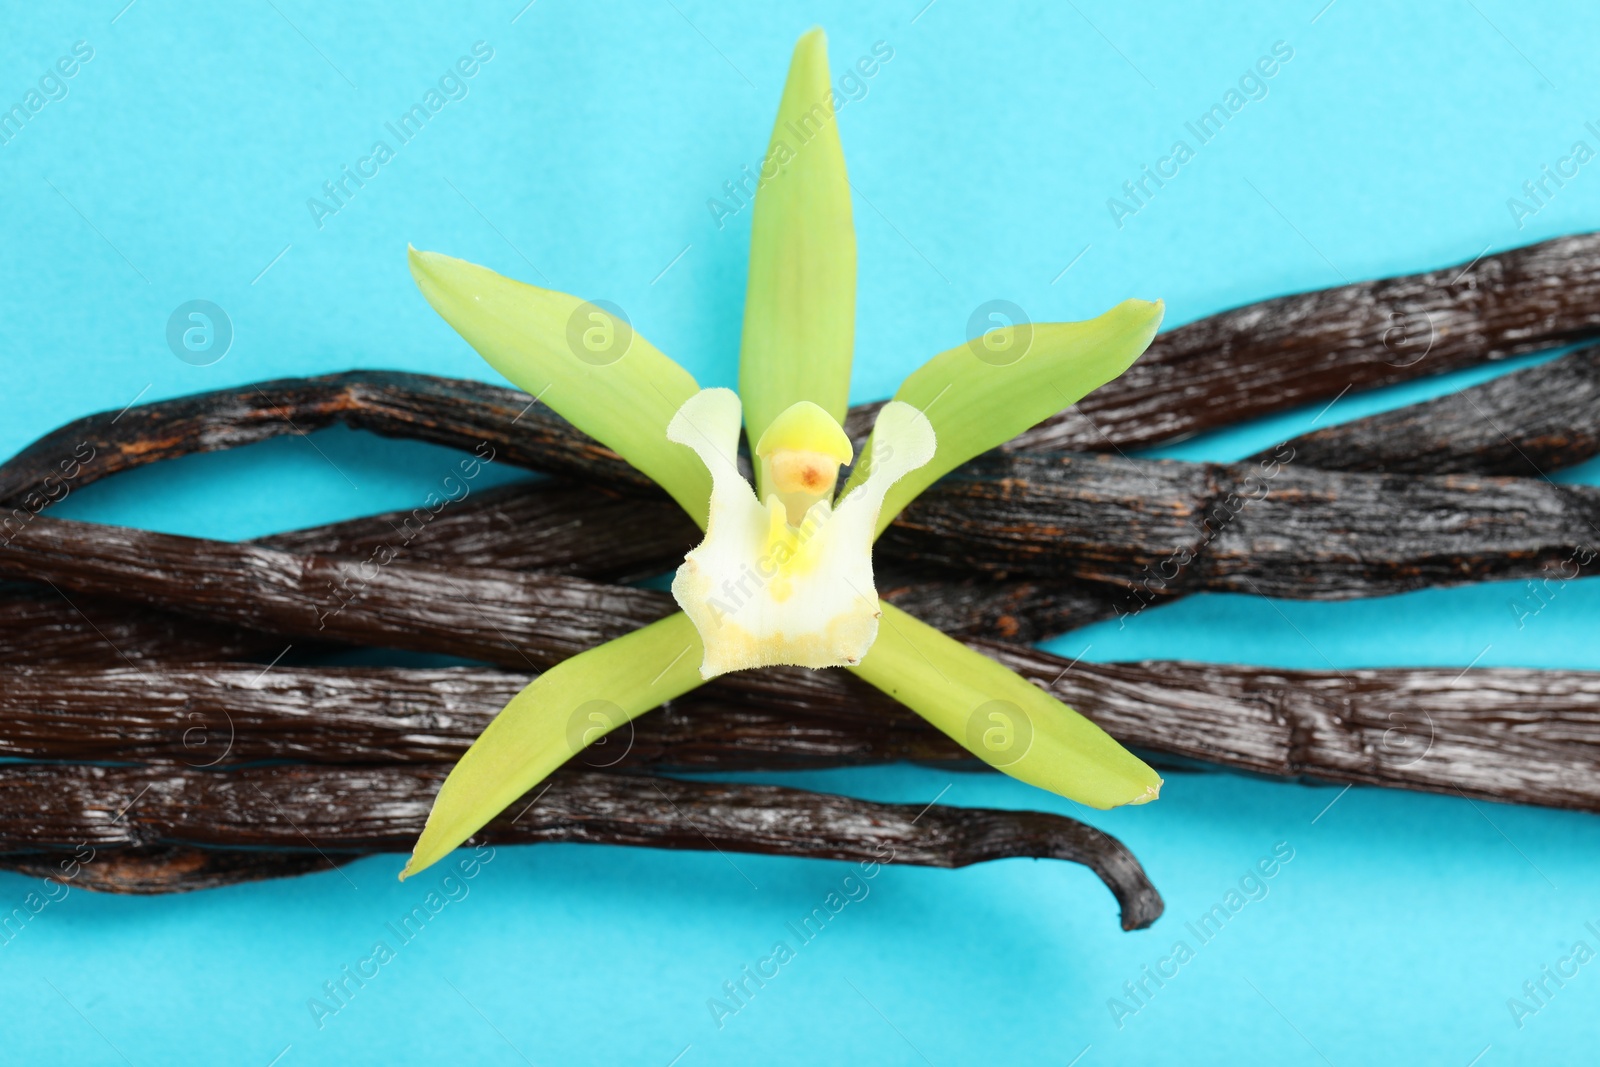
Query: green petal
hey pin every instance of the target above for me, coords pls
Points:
(800, 304)
(1002, 718)
(559, 712)
(978, 398)
(580, 359)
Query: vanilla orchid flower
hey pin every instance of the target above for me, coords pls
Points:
(784, 574)
(788, 581)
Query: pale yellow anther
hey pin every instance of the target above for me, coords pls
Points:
(800, 454)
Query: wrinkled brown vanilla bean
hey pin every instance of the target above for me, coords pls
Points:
(151, 869)
(40, 624)
(514, 618)
(221, 715)
(571, 530)
(1529, 422)
(1513, 734)
(1303, 720)
(494, 423)
(1022, 611)
(534, 526)
(382, 809)
(1541, 417)
(1154, 528)
(1310, 347)
(1516, 735)
(1250, 361)
(1171, 528)
(563, 516)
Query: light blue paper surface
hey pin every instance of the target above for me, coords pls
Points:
(177, 165)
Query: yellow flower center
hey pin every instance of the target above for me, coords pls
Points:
(787, 577)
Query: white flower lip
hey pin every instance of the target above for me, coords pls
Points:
(763, 590)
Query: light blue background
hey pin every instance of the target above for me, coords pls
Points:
(178, 167)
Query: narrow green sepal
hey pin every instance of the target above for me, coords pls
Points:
(581, 359)
(561, 711)
(800, 302)
(979, 397)
(1001, 717)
